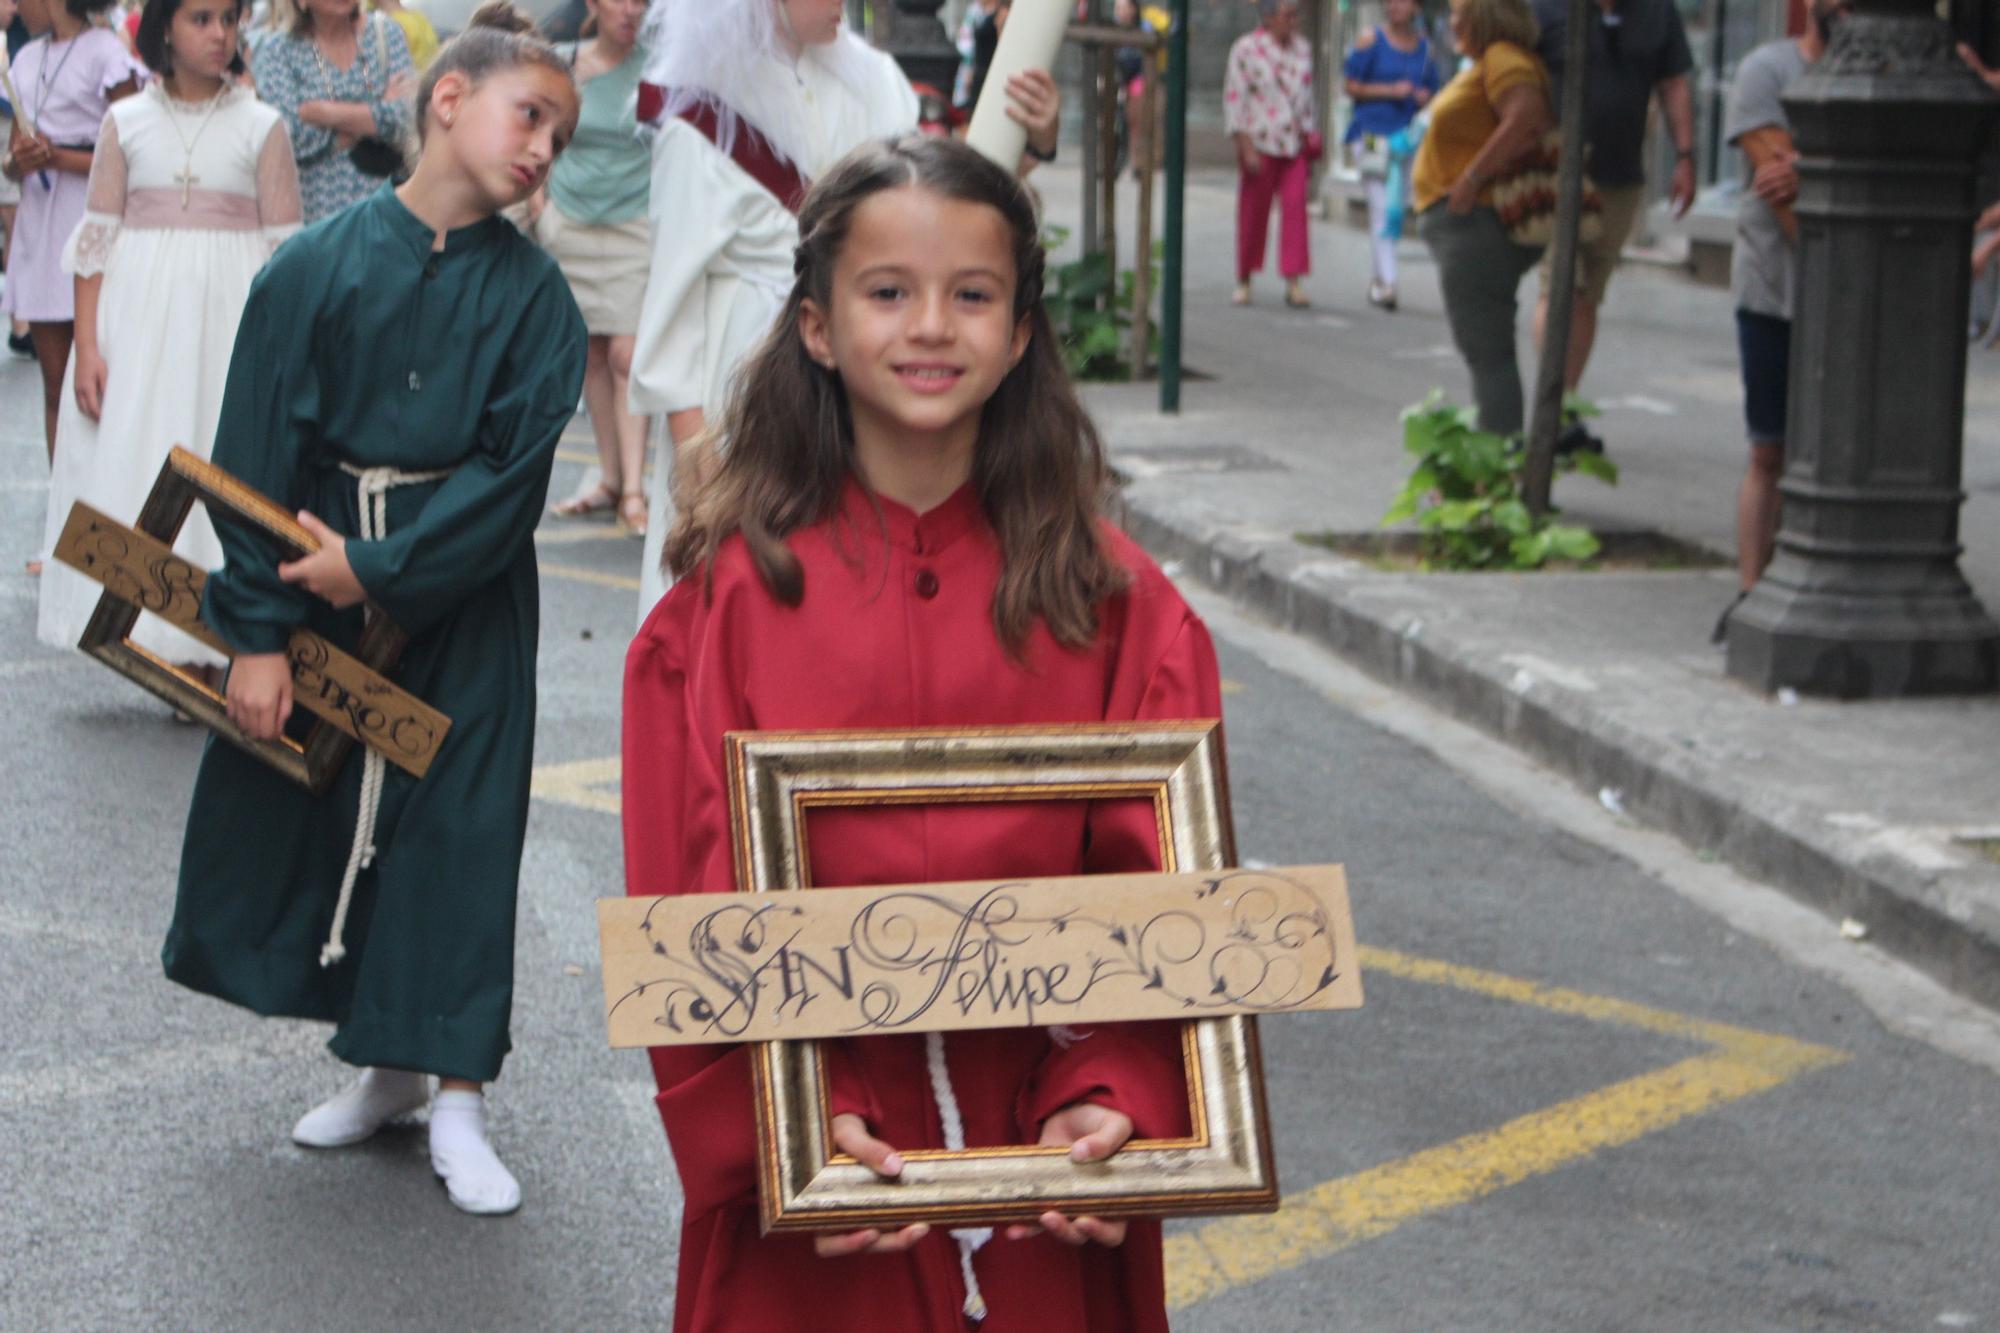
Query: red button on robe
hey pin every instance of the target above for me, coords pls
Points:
(896, 630)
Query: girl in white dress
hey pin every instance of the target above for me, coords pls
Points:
(192, 187)
(786, 88)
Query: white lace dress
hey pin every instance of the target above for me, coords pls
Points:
(185, 204)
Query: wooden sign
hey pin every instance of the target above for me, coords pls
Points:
(703, 968)
(346, 693)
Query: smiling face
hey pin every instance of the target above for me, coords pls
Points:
(812, 22)
(920, 324)
(202, 37)
(506, 130)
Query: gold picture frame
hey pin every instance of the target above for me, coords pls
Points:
(347, 694)
(1226, 1165)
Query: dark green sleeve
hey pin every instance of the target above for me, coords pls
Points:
(482, 516)
(265, 437)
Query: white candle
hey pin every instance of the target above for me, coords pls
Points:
(1033, 35)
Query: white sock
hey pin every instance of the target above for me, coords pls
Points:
(370, 1102)
(473, 1175)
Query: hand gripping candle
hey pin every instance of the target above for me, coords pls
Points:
(1033, 35)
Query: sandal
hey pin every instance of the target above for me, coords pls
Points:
(1295, 297)
(601, 500)
(626, 519)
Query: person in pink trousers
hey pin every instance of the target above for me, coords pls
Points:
(1267, 99)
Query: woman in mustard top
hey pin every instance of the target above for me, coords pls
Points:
(1485, 119)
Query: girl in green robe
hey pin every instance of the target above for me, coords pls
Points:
(403, 372)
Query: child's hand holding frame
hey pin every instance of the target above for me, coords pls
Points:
(325, 573)
(1091, 1133)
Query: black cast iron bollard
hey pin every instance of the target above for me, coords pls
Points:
(1865, 598)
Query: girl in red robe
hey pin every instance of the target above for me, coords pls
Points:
(903, 529)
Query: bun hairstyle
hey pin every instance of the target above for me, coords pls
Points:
(787, 439)
(498, 37)
(156, 20)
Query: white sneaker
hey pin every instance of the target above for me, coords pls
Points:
(354, 1114)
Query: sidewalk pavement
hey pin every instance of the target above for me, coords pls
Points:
(1873, 812)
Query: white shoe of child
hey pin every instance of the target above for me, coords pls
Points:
(354, 1114)
(465, 1161)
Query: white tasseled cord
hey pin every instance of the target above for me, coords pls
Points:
(373, 485)
(969, 1238)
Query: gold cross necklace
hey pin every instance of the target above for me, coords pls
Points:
(185, 177)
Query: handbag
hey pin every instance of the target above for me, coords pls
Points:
(1370, 155)
(1525, 197)
(374, 155)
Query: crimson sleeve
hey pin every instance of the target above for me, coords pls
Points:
(675, 815)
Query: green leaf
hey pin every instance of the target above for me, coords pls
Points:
(1531, 551)
(1593, 464)
(1576, 405)
(1462, 513)
(1099, 340)
(1571, 542)
(1512, 517)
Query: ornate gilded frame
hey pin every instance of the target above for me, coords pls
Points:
(349, 702)
(1226, 1165)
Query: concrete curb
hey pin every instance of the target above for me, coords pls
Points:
(1932, 918)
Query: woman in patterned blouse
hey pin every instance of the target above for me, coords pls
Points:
(1267, 102)
(337, 79)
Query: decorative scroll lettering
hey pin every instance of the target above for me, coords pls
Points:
(1090, 949)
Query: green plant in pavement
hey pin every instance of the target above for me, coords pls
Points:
(1091, 310)
(1465, 493)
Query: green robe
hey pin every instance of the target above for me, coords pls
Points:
(360, 345)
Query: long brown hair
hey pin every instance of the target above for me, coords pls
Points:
(787, 441)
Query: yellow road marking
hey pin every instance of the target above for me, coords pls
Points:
(1340, 1213)
(577, 574)
(1232, 687)
(580, 783)
(587, 456)
(1336, 1214)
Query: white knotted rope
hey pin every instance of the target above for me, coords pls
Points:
(969, 1238)
(373, 485)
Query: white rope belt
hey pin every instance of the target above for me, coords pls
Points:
(373, 485)
(969, 1238)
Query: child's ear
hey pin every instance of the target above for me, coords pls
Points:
(813, 333)
(448, 96)
(1023, 334)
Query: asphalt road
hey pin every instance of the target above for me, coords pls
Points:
(1705, 1112)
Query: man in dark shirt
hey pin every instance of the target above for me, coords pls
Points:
(1638, 52)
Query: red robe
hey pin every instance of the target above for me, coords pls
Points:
(899, 634)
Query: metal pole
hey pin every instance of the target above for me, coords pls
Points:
(1538, 472)
(1139, 132)
(1092, 139)
(1171, 275)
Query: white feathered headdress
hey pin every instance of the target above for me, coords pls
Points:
(725, 53)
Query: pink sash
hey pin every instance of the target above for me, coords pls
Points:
(206, 210)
